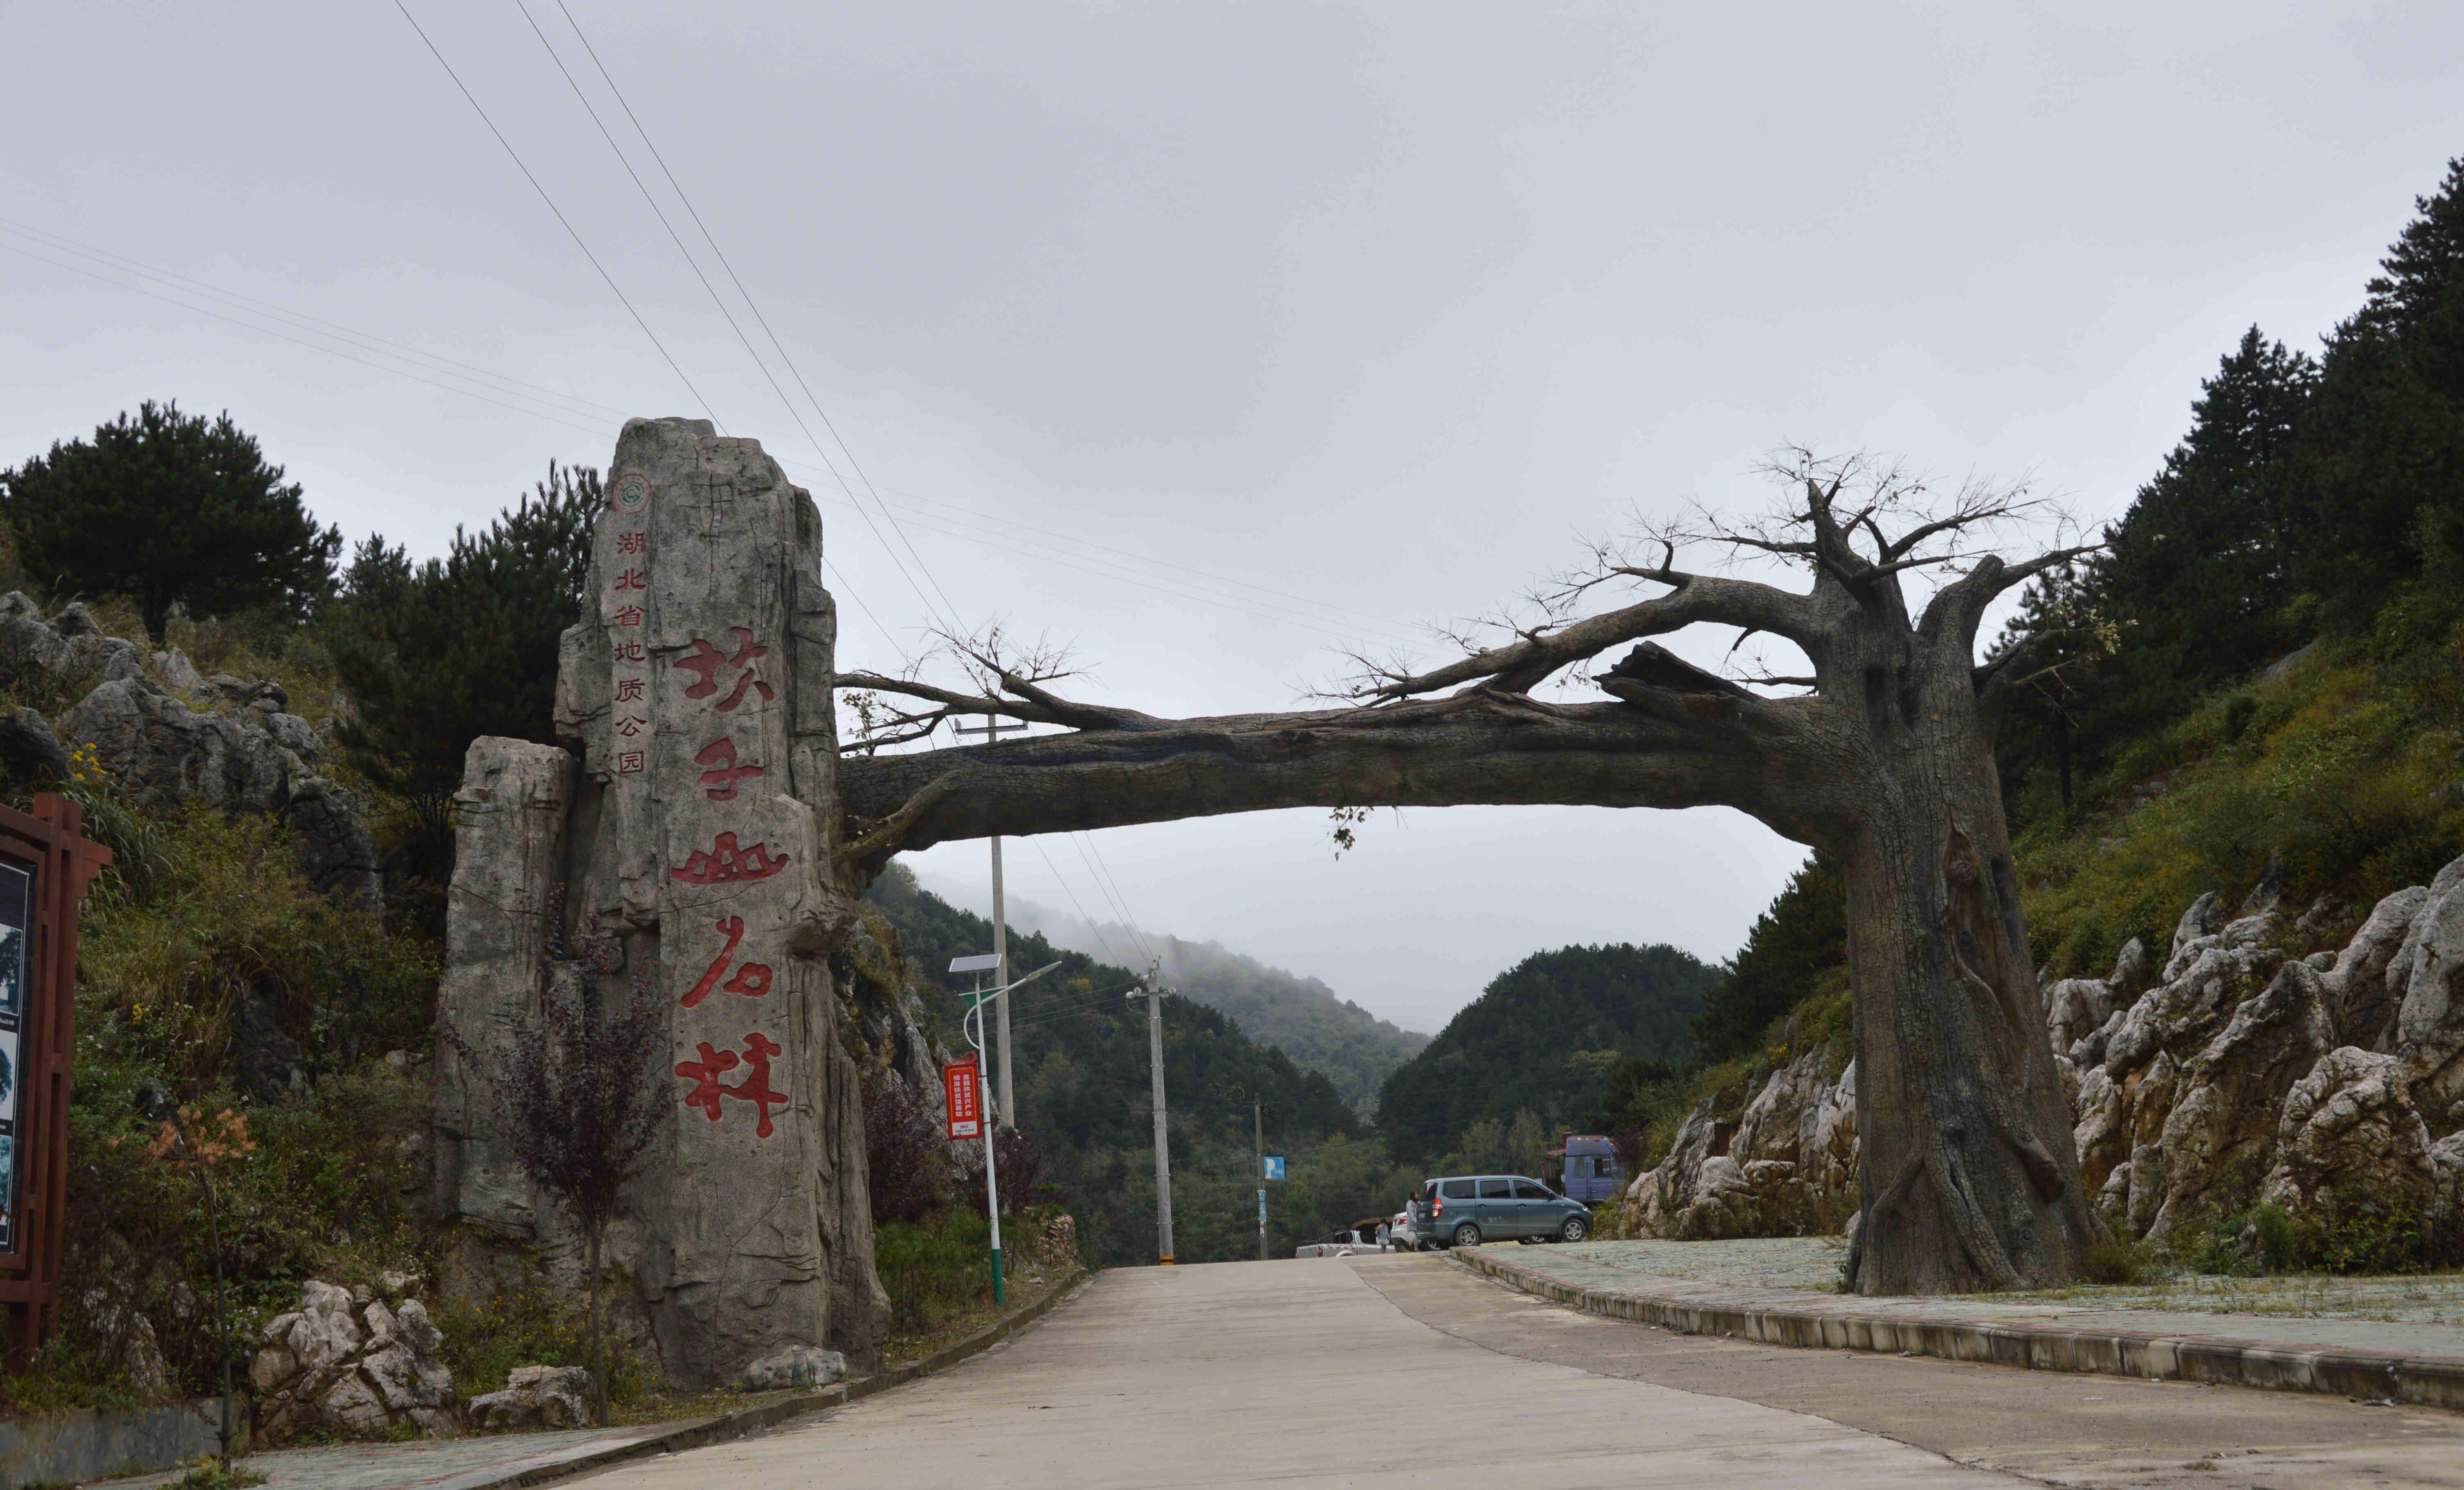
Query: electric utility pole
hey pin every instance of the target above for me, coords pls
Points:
(1162, 1139)
(1258, 1114)
(992, 730)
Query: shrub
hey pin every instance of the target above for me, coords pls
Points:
(2116, 1260)
(933, 1266)
(907, 1159)
(533, 1326)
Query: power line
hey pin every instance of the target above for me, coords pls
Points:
(77, 269)
(1101, 940)
(695, 266)
(755, 306)
(1078, 840)
(516, 158)
(313, 324)
(494, 387)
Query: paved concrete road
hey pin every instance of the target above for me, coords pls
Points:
(1405, 1371)
(1295, 1373)
(2064, 1429)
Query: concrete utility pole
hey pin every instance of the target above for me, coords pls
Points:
(1258, 1114)
(1162, 1138)
(992, 730)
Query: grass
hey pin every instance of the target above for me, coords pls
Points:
(208, 1475)
(2339, 770)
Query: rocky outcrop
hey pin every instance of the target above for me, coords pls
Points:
(2229, 1075)
(2351, 1124)
(2427, 1033)
(1784, 1168)
(61, 657)
(252, 757)
(2214, 1141)
(348, 1363)
(537, 1396)
(237, 748)
(794, 1366)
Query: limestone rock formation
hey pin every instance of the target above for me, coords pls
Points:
(695, 815)
(2224, 1113)
(2228, 1076)
(2352, 1123)
(1787, 1166)
(509, 834)
(345, 1363)
(2428, 1029)
(793, 1367)
(62, 656)
(537, 1396)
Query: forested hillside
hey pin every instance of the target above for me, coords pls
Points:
(1301, 1017)
(1542, 1038)
(1082, 1092)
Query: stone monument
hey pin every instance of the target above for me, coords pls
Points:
(694, 814)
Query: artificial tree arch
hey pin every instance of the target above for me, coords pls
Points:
(1885, 761)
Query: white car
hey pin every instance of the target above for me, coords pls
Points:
(1342, 1245)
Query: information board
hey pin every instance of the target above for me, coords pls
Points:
(963, 1084)
(17, 907)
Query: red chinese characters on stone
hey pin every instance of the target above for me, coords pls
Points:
(632, 542)
(718, 781)
(707, 661)
(752, 979)
(709, 1092)
(629, 689)
(725, 864)
(631, 725)
(630, 615)
(634, 580)
(631, 651)
(629, 761)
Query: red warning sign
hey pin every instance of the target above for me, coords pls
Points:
(962, 1081)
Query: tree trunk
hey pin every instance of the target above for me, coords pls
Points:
(598, 1356)
(1970, 1181)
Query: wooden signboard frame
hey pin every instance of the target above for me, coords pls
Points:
(47, 843)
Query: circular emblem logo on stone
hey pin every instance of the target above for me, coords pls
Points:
(630, 494)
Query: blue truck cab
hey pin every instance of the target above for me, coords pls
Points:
(1592, 1172)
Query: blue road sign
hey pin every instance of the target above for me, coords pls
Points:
(1274, 1166)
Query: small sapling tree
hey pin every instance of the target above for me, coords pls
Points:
(580, 1093)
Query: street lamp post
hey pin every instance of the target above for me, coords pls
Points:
(974, 1025)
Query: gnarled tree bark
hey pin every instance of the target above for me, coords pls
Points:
(1971, 1178)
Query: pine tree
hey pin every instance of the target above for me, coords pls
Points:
(436, 654)
(2380, 464)
(168, 508)
(2195, 584)
(1798, 941)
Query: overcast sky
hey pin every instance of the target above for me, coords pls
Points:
(1209, 336)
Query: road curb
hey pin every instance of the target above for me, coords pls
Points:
(2216, 1360)
(700, 1433)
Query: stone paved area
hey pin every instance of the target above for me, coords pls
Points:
(1814, 1263)
(443, 1464)
(2372, 1314)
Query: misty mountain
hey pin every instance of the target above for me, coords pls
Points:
(1307, 1021)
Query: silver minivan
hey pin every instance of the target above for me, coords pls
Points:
(1466, 1210)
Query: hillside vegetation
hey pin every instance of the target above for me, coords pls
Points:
(1301, 1017)
(1542, 1037)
